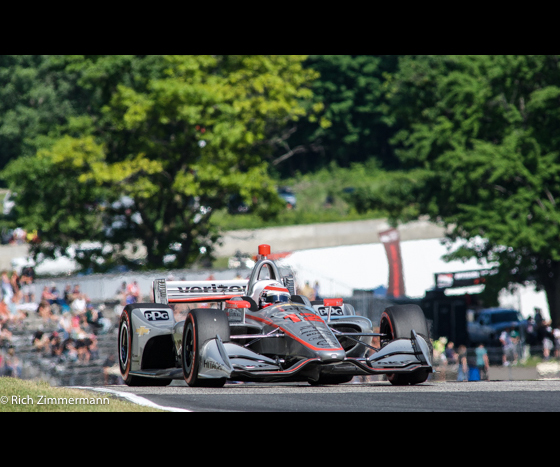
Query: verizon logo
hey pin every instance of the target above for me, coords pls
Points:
(212, 288)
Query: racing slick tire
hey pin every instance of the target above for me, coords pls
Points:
(397, 322)
(200, 326)
(125, 352)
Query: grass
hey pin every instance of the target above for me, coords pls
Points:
(323, 196)
(18, 395)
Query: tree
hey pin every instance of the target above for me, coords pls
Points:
(476, 136)
(174, 135)
(37, 94)
(352, 126)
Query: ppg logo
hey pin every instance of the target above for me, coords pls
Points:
(156, 315)
(336, 311)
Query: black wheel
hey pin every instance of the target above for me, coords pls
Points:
(201, 325)
(125, 353)
(397, 322)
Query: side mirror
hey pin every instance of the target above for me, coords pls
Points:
(237, 304)
(332, 301)
(235, 310)
(329, 303)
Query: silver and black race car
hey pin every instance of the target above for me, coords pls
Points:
(261, 330)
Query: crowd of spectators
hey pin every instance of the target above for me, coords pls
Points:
(71, 324)
(539, 340)
(311, 292)
(18, 236)
(68, 323)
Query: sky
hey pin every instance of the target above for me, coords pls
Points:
(341, 269)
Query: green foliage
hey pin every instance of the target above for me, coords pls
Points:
(50, 198)
(37, 94)
(480, 129)
(352, 125)
(116, 148)
(39, 396)
(323, 196)
(177, 135)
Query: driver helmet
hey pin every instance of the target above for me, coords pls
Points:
(269, 292)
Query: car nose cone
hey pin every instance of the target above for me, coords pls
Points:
(330, 356)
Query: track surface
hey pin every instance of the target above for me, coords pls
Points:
(378, 396)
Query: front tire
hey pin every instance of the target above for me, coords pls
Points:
(125, 353)
(201, 325)
(397, 322)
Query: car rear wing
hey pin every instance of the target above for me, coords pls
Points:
(168, 292)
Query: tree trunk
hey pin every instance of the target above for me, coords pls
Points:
(552, 288)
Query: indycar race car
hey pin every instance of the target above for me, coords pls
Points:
(263, 331)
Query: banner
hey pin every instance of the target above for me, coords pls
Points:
(391, 239)
(445, 280)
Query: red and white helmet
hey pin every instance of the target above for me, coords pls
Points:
(268, 292)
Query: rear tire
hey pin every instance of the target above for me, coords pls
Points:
(201, 325)
(125, 352)
(397, 322)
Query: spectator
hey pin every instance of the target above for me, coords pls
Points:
(531, 334)
(65, 325)
(482, 361)
(7, 289)
(92, 318)
(463, 372)
(509, 354)
(4, 313)
(307, 291)
(9, 312)
(33, 237)
(67, 294)
(439, 351)
(105, 322)
(5, 337)
(451, 354)
(95, 319)
(538, 316)
(556, 336)
(133, 293)
(547, 338)
(82, 349)
(27, 280)
(45, 312)
(120, 294)
(41, 342)
(16, 287)
(11, 365)
(92, 347)
(317, 291)
(57, 298)
(79, 304)
(75, 292)
(56, 345)
(19, 236)
(47, 295)
(69, 352)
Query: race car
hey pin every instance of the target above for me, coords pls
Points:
(260, 330)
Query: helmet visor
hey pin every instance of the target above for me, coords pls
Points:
(275, 298)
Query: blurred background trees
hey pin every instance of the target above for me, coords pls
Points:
(127, 148)
(153, 146)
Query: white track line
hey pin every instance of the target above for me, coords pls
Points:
(132, 398)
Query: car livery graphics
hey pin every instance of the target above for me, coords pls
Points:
(241, 338)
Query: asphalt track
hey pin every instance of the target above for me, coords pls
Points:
(376, 396)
